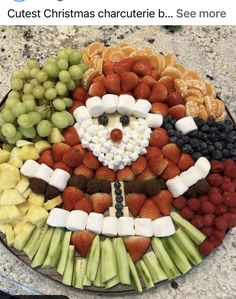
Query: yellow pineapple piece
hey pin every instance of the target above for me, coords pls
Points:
(11, 197)
(15, 159)
(42, 145)
(9, 214)
(27, 152)
(9, 176)
(52, 203)
(37, 215)
(27, 192)
(24, 207)
(36, 199)
(4, 156)
(18, 226)
(23, 235)
(10, 236)
(23, 142)
(23, 184)
(3, 228)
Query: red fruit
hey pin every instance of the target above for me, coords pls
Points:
(159, 137)
(208, 231)
(97, 89)
(232, 210)
(194, 204)
(229, 199)
(203, 198)
(82, 241)
(216, 166)
(163, 200)
(46, 158)
(70, 196)
(180, 202)
(135, 202)
(174, 98)
(159, 93)
(228, 187)
(62, 165)
(155, 74)
(91, 161)
(136, 246)
(142, 91)
(160, 108)
(72, 158)
(123, 66)
(71, 136)
(215, 179)
(171, 171)
(58, 151)
(108, 68)
(150, 210)
(185, 162)
(208, 219)
(129, 80)
(126, 174)
(220, 223)
(83, 205)
(214, 190)
(153, 152)
(142, 67)
(228, 162)
(225, 179)
(100, 79)
(139, 165)
(207, 207)
(230, 219)
(172, 152)
(146, 175)
(112, 83)
(215, 198)
(230, 171)
(100, 202)
(197, 221)
(116, 135)
(104, 173)
(220, 210)
(81, 149)
(158, 165)
(79, 94)
(219, 234)
(149, 80)
(206, 248)
(177, 112)
(186, 213)
(75, 105)
(84, 170)
(168, 82)
(215, 242)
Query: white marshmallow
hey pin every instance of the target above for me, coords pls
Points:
(143, 227)
(110, 226)
(78, 129)
(95, 223)
(186, 125)
(58, 217)
(81, 113)
(44, 172)
(126, 226)
(163, 227)
(95, 106)
(59, 179)
(126, 104)
(191, 176)
(29, 168)
(110, 103)
(76, 220)
(154, 120)
(141, 108)
(204, 165)
(176, 186)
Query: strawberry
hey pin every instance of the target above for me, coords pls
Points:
(126, 174)
(153, 152)
(142, 91)
(82, 241)
(97, 89)
(83, 205)
(91, 161)
(100, 79)
(168, 82)
(163, 200)
(206, 248)
(136, 246)
(172, 152)
(75, 105)
(104, 173)
(129, 81)
(112, 83)
(159, 93)
(160, 108)
(100, 202)
(71, 136)
(72, 158)
(142, 67)
(174, 98)
(62, 165)
(186, 213)
(146, 175)
(70, 196)
(108, 68)
(159, 137)
(139, 165)
(171, 171)
(155, 74)
(58, 150)
(150, 210)
(149, 80)
(80, 94)
(84, 170)
(135, 202)
(124, 65)
(81, 149)
(158, 165)
(180, 202)
(46, 158)
(185, 162)
(178, 111)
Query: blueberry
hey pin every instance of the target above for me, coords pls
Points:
(229, 122)
(119, 206)
(169, 118)
(124, 119)
(187, 148)
(203, 145)
(233, 152)
(180, 142)
(222, 136)
(211, 121)
(171, 132)
(230, 146)
(178, 134)
(205, 128)
(173, 121)
(119, 198)
(199, 122)
(217, 155)
(173, 139)
(186, 139)
(204, 152)
(218, 146)
(194, 133)
(118, 191)
(117, 184)
(225, 152)
(196, 155)
(213, 130)
(119, 213)
(103, 120)
(220, 126)
(204, 137)
(194, 143)
(211, 148)
(213, 137)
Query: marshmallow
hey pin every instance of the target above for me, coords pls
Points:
(58, 217)
(110, 225)
(29, 168)
(154, 120)
(95, 106)
(95, 223)
(191, 176)
(141, 108)
(204, 165)
(176, 186)
(186, 125)
(43, 172)
(76, 220)
(126, 226)
(110, 103)
(59, 179)
(81, 113)
(143, 227)
(163, 227)
(126, 104)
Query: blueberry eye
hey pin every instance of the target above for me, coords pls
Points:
(124, 119)
(103, 120)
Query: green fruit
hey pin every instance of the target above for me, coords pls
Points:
(23, 236)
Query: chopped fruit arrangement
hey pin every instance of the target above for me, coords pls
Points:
(117, 165)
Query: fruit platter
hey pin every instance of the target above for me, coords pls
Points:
(117, 168)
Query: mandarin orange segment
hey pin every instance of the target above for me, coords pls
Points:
(220, 108)
(197, 83)
(195, 99)
(86, 59)
(170, 59)
(88, 77)
(211, 106)
(127, 51)
(171, 72)
(159, 62)
(181, 87)
(202, 112)
(99, 65)
(192, 108)
(95, 49)
(116, 56)
(180, 67)
(191, 75)
(211, 91)
(194, 93)
(122, 45)
(107, 52)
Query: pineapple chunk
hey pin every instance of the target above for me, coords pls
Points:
(36, 199)
(23, 142)
(9, 176)
(55, 136)
(52, 203)
(23, 184)
(24, 207)
(4, 156)
(27, 193)
(3, 228)
(37, 216)
(11, 197)
(9, 214)
(42, 145)
(23, 236)
(10, 236)
(27, 152)
(17, 227)
(14, 158)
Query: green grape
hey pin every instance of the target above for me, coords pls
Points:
(38, 92)
(7, 115)
(8, 130)
(69, 118)
(68, 102)
(28, 88)
(59, 105)
(62, 64)
(26, 72)
(52, 69)
(14, 94)
(33, 63)
(16, 83)
(18, 109)
(34, 71)
(52, 60)
(83, 66)
(28, 133)
(14, 139)
(18, 74)
(76, 72)
(27, 97)
(25, 121)
(71, 85)
(42, 102)
(61, 88)
(41, 76)
(35, 116)
(2, 121)
(36, 139)
(10, 102)
(44, 128)
(62, 54)
(75, 57)
(50, 94)
(42, 110)
(69, 51)
(64, 76)
(48, 84)
(59, 120)
(29, 105)
(34, 82)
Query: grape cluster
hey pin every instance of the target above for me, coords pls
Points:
(40, 97)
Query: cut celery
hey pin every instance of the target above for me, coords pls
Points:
(64, 252)
(144, 273)
(134, 276)
(108, 261)
(154, 267)
(68, 273)
(93, 259)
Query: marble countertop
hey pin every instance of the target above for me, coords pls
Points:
(211, 51)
